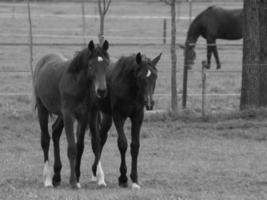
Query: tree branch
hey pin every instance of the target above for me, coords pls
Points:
(99, 7)
(107, 7)
(166, 1)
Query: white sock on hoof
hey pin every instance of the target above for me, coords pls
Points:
(47, 175)
(135, 186)
(79, 185)
(100, 175)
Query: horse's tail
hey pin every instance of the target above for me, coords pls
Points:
(38, 66)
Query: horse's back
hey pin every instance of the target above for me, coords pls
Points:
(47, 75)
(223, 23)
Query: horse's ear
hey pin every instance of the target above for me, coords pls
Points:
(181, 46)
(156, 60)
(91, 46)
(105, 45)
(138, 58)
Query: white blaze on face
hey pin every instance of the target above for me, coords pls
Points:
(47, 175)
(99, 59)
(148, 73)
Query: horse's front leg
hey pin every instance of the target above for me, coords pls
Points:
(57, 128)
(98, 174)
(80, 148)
(106, 122)
(122, 144)
(135, 144)
(72, 150)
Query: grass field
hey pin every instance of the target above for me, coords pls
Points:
(182, 157)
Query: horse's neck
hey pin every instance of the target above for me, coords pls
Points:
(194, 32)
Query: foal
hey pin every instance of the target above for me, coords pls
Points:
(66, 88)
(131, 84)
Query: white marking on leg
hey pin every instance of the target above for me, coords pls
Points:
(100, 175)
(135, 186)
(47, 175)
(79, 185)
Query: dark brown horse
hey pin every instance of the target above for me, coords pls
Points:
(213, 23)
(66, 88)
(131, 83)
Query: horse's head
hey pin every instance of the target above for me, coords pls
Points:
(189, 54)
(146, 75)
(98, 63)
(91, 64)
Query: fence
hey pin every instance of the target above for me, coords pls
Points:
(121, 41)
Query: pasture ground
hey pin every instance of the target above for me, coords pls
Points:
(182, 157)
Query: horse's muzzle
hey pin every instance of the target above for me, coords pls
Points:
(101, 93)
(149, 104)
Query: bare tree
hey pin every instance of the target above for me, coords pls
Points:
(174, 104)
(103, 6)
(254, 74)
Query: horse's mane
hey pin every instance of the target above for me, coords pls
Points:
(127, 64)
(80, 58)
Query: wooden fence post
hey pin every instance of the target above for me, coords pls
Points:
(164, 30)
(203, 73)
(190, 10)
(30, 36)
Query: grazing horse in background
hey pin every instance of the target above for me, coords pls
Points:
(213, 23)
(131, 83)
(66, 88)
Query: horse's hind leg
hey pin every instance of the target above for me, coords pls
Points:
(57, 128)
(45, 141)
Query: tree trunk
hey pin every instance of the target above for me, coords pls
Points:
(173, 58)
(254, 74)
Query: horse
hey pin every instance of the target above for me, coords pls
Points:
(131, 83)
(66, 88)
(213, 23)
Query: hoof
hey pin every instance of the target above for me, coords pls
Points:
(123, 185)
(48, 183)
(135, 186)
(94, 178)
(56, 181)
(79, 185)
(102, 184)
(74, 185)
